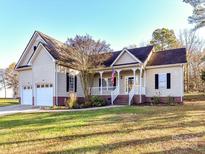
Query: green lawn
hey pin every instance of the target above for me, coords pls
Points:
(7, 102)
(194, 97)
(150, 129)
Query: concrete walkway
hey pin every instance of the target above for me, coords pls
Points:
(13, 109)
(8, 110)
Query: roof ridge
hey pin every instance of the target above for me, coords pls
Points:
(140, 47)
(134, 48)
(49, 37)
(171, 49)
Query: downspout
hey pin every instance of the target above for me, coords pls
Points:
(56, 84)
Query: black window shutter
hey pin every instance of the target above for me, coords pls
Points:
(168, 81)
(114, 81)
(75, 83)
(67, 82)
(156, 81)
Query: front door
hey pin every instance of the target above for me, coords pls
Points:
(129, 82)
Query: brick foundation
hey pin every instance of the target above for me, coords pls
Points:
(136, 99)
(165, 99)
(107, 98)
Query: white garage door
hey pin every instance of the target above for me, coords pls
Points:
(44, 95)
(27, 95)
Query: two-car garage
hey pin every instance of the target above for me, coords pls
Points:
(43, 95)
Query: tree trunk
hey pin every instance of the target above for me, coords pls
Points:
(5, 91)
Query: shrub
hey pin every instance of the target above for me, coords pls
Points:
(156, 100)
(72, 101)
(98, 101)
(170, 100)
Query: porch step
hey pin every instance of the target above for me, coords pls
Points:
(121, 100)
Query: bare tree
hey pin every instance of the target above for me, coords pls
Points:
(3, 83)
(85, 55)
(198, 15)
(11, 79)
(194, 47)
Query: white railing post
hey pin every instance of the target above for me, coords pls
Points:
(101, 79)
(140, 92)
(116, 92)
(145, 78)
(118, 75)
(133, 90)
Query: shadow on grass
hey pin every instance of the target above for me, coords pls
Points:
(112, 146)
(149, 118)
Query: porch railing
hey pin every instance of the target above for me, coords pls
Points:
(132, 93)
(114, 94)
(105, 90)
(135, 91)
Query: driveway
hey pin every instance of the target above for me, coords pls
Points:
(7, 110)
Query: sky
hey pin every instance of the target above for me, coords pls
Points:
(119, 22)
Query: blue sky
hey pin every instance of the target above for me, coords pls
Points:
(119, 22)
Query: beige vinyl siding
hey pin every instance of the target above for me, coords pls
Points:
(176, 81)
(43, 69)
(25, 79)
(61, 88)
(125, 58)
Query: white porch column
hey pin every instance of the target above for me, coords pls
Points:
(118, 75)
(145, 78)
(140, 92)
(101, 79)
(134, 74)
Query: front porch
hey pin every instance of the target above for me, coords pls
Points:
(128, 82)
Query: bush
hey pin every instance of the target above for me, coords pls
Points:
(156, 100)
(72, 101)
(171, 100)
(98, 101)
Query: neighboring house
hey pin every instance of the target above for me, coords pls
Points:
(141, 74)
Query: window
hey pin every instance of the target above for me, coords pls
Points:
(71, 83)
(162, 80)
(110, 84)
(104, 82)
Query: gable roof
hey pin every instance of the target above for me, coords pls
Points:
(121, 54)
(172, 56)
(140, 53)
(56, 48)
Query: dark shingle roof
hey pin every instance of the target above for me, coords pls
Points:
(56, 48)
(172, 56)
(140, 53)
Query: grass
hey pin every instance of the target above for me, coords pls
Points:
(150, 129)
(8, 101)
(194, 97)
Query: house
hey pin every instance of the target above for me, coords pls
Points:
(141, 74)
